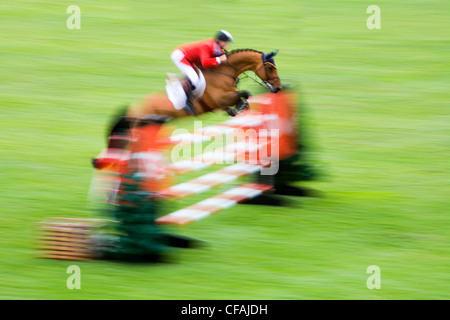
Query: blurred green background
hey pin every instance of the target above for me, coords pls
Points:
(376, 108)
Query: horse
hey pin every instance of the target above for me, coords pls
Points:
(220, 93)
(221, 87)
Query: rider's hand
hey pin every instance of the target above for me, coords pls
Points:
(223, 58)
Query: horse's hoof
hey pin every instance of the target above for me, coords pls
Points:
(231, 111)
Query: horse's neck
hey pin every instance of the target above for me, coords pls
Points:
(244, 61)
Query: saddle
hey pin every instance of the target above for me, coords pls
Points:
(176, 93)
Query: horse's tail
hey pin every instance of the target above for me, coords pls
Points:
(119, 123)
(117, 141)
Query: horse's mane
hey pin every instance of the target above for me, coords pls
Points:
(242, 50)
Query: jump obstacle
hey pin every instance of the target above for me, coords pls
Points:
(135, 178)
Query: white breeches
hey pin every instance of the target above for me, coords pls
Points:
(198, 81)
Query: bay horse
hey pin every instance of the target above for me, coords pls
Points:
(220, 94)
(221, 87)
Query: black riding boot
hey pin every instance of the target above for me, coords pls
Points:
(189, 107)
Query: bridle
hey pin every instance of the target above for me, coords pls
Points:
(265, 83)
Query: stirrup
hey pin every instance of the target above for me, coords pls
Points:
(189, 107)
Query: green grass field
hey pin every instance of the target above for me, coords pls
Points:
(376, 108)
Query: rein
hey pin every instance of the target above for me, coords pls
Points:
(265, 84)
(262, 83)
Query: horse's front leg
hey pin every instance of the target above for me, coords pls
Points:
(241, 103)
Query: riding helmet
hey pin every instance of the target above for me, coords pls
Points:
(224, 36)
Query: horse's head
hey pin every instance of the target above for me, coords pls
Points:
(268, 72)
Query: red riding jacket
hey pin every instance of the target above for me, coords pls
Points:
(203, 53)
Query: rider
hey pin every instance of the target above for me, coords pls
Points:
(191, 57)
